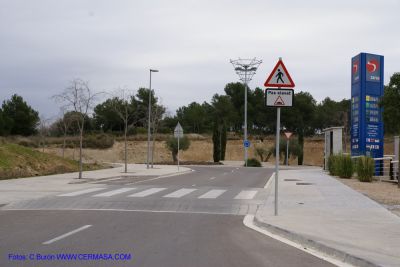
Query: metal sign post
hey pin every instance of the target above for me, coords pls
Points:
(278, 98)
(178, 133)
(178, 152)
(278, 127)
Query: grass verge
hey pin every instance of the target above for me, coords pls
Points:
(18, 161)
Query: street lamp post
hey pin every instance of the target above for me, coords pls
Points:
(149, 122)
(245, 68)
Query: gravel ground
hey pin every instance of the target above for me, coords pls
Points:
(385, 193)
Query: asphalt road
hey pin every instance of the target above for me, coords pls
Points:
(155, 236)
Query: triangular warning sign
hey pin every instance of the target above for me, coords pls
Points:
(279, 101)
(279, 77)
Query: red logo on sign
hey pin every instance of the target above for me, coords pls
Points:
(355, 67)
(372, 65)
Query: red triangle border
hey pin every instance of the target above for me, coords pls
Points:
(267, 84)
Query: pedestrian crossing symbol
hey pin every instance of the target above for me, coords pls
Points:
(279, 77)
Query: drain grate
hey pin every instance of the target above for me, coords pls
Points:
(291, 180)
(304, 183)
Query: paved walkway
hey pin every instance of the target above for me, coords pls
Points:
(40, 186)
(332, 218)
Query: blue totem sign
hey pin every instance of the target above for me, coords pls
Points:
(366, 116)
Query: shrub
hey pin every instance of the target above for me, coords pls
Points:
(345, 166)
(100, 141)
(333, 165)
(262, 153)
(340, 165)
(365, 169)
(172, 145)
(253, 163)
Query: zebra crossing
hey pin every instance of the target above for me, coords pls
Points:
(168, 193)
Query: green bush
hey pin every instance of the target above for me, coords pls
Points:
(253, 163)
(172, 145)
(340, 165)
(365, 169)
(333, 165)
(346, 169)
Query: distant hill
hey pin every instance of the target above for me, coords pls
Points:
(18, 161)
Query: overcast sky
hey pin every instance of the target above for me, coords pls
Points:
(44, 44)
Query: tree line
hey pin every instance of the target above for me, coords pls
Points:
(124, 112)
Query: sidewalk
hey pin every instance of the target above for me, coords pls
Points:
(40, 186)
(331, 217)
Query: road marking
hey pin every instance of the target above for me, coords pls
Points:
(180, 193)
(232, 171)
(193, 185)
(164, 176)
(212, 178)
(147, 192)
(115, 192)
(81, 192)
(249, 222)
(246, 194)
(213, 193)
(67, 234)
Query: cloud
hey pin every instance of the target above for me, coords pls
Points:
(45, 44)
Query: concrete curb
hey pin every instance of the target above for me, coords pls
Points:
(308, 243)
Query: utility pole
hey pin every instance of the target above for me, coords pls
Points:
(245, 68)
(149, 122)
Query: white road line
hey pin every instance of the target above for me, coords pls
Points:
(115, 192)
(212, 178)
(147, 192)
(193, 184)
(81, 192)
(246, 194)
(249, 222)
(67, 234)
(181, 192)
(213, 193)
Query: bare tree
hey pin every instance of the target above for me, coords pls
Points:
(122, 105)
(43, 130)
(79, 98)
(64, 125)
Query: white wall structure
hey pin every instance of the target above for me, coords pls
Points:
(333, 143)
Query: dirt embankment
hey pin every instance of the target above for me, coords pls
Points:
(200, 150)
(17, 161)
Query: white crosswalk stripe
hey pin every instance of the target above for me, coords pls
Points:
(213, 193)
(81, 192)
(206, 193)
(115, 192)
(246, 194)
(147, 192)
(180, 193)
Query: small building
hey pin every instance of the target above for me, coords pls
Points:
(333, 142)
